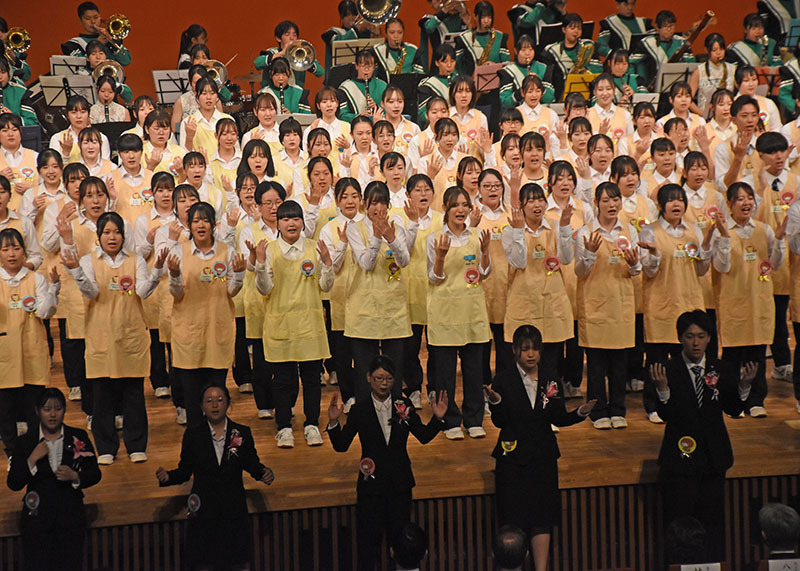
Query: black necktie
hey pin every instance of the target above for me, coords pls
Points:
(697, 370)
(776, 185)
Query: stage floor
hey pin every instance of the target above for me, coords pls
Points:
(320, 477)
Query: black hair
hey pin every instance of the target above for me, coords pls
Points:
(489, 172)
(744, 71)
(577, 122)
(668, 193)
(203, 211)
(290, 125)
(347, 8)
(557, 168)
(265, 100)
(197, 69)
(623, 165)
(84, 7)
(531, 191)
(289, 209)
(7, 119)
(482, 9)
(45, 156)
(376, 192)
(249, 150)
(511, 114)
(114, 218)
(91, 181)
(443, 50)
(197, 49)
(415, 179)
(162, 178)
(204, 82)
(284, 27)
(510, 546)
(88, 133)
(381, 362)
(432, 101)
(571, 18)
(531, 140)
(321, 95)
(392, 90)
(463, 164)
(94, 46)
(458, 82)
(390, 159)
(138, 103)
(594, 140)
(692, 158)
(184, 190)
(771, 142)
(680, 87)
(665, 17)
(643, 107)
(194, 31)
(315, 134)
(244, 177)
(712, 39)
(314, 161)
(672, 123)
(378, 126)
(505, 144)
(410, 542)
(366, 56)
(158, 117)
(210, 386)
(129, 142)
(444, 125)
(193, 157)
(753, 20)
(72, 171)
(358, 119)
(51, 393)
(574, 100)
(733, 190)
(5, 184)
(343, 184)
(77, 103)
(223, 123)
(531, 80)
(391, 21)
(265, 187)
(11, 235)
(523, 41)
(610, 188)
(280, 65)
(661, 145)
(697, 317)
(525, 333)
(740, 102)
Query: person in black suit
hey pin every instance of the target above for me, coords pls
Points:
(56, 463)
(525, 403)
(693, 392)
(385, 482)
(215, 453)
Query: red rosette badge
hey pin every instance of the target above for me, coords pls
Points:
(147, 195)
(193, 504)
(472, 276)
(787, 199)
(307, 268)
(32, 501)
(711, 212)
(27, 173)
(691, 250)
(407, 137)
(472, 134)
(220, 270)
(126, 284)
(543, 130)
(553, 265)
(623, 244)
(30, 303)
(640, 223)
(367, 468)
(764, 270)
(687, 445)
(763, 116)
(392, 271)
(618, 133)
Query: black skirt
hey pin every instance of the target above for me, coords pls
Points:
(220, 542)
(528, 496)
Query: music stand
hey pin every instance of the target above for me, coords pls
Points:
(344, 51)
(579, 83)
(670, 73)
(771, 77)
(636, 42)
(305, 119)
(793, 33)
(407, 82)
(113, 131)
(170, 84)
(67, 65)
(487, 78)
(338, 74)
(58, 88)
(645, 97)
(32, 138)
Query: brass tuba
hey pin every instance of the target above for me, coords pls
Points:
(585, 53)
(301, 55)
(109, 67)
(217, 71)
(18, 41)
(378, 12)
(118, 27)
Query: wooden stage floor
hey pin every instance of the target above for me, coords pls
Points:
(320, 477)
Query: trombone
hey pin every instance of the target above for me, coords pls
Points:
(18, 41)
(301, 55)
(117, 27)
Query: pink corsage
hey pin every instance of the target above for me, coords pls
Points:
(711, 380)
(550, 392)
(401, 410)
(79, 449)
(234, 443)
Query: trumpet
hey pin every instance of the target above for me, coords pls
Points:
(18, 41)
(217, 71)
(117, 27)
(585, 53)
(301, 55)
(109, 67)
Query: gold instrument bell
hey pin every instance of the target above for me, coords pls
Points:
(118, 27)
(301, 55)
(217, 71)
(109, 67)
(18, 41)
(378, 12)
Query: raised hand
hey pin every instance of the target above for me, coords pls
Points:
(426, 148)
(435, 165)
(324, 253)
(721, 224)
(39, 201)
(631, 256)
(650, 247)
(740, 147)
(517, 218)
(226, 183)
(346, 158)
(112, 189)
(152, 160)
(161, 258)
(605, 125)
(238, 264)
(561, 133)
(64, 230)
(41, 451)
(659, 375)
(175, 230)
(439, 407)
(441, 245)
(582, 166)
(68, 211)
(342, 232)
(232, 217)
(67, 142)
(566, 215)
(593, 241)
(485, 140)
(174, 265)
(335, 409)
(53, 276)
(373, 165)
(411, 212)
(69, 258)
(190, 127)
(475, 216)
(151, 234)
(485, 240)
(261, 251)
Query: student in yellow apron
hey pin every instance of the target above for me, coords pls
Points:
(28, 299)
(224, 163)
(376, 310)
(90, 145)
(471, 122)
(50, 188)
(778, 189)
(145, 228)
(268, 197)
(131, 181)
(510, 162)
(469, 170)
(533, 148)
(393, 102)
(361, 160)
(535, 116)
(606, 117)
(205, 275)
(637, 144)
(17, 163)
(66, 141)
(601, 153)
(334, 234)
(680, 97)
(11, 219)
(579, 132)
(458, 261)
(745, 255)
(265, 108)
(319, 145)
(195, 168)
(383, 135)
(117, 345)
(66, 206)
(536, 251)
(442, 164)
(673, 263)
(420, 220)
(198, 130)
(292, 271)
(394, 174)
(160, 153)
(562, 181)
(606, 260)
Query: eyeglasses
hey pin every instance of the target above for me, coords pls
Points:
(492, 186)
(382, 378)
(271, 203)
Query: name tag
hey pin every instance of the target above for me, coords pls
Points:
(113, 285)
(750, 256)
(136, 202)
(614, 259)
(496, 236)
(206, 278)
(679, 253)
(538, 255)
(12, 304)
(776, 208)
(702, 224)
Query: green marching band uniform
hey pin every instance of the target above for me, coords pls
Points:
(432, 30)
(790, 81)
(617, 32)
(777, 14)
(77, 47)
(16, 99)
(512, 76)
(295, 99)
(427, 88)
(471, 49)
(745, 52)
(354, 101)
(298, 78)
(655, 53)
(391, 61)
(528, 18)
(563, 60)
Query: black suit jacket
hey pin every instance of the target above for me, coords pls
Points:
(219, 486)
(529, 427)
(60, 504)
(392, 465)
(705, 424)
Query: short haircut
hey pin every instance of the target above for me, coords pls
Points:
(753, 20)
(512, 139)
(280, 65)
(531, 81)
(458, 82)
(94, 46)
(643, 107)
(162, 179)
(623, 165)
(511, 114)
(531, 191)
(265, 187)
(139, 101)
(767, 143)
(743, 72)
(442, 51)
(243, 178)
(129, 142)
(571, 19)
(445, 125)
(51, 393)
(376, 192)
(691, 159)
(527, 333)
(208, 386)
(315, 134)
(680, 87)
(202, 211)
(595, 139)
(343, 184)
(45, 156)
(7, 119)
(289, 209)
(609, 188)
(77, 103)
(366, 56)
(524, 41)
(382, 125)
(409, 543)
(579, 124)
(314, 161)
(661, 145)
(91, 182)
(668, 193)
(381, 362)
(11, 235)
(665, 17)
(84, 7)
(697, 317)
(110, 217)
(510, 545)
(194, 157)
(780, 525)
(74, 171)
(204, 82)
(290, 125)
(5, 184)
(531, 140)
(558, 168)
(415, 179)
(733, 190)
(674, 122)
(391, 159)
(284, 27)
(160, 118)
(184, 190)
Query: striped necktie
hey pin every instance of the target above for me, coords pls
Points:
(697, 370)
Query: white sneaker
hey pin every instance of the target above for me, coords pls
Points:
(487, 411)
(137, 457)
(637, 385)
(602, 423)
(313, 437)
(285, 438)
(555, 429)
(654, 418)
(476, 432)
(322, 379)
(180, 415)
(782, 373)
(246, 388)
(333, 379)
(105, 459)
(266, 413)
(454, 433)
(119, 422)
(88, 422)
(416, 399)
(349, 404)
(619, 422)
(22, 428)
(74, 393)
(163, 393)
(758, 411)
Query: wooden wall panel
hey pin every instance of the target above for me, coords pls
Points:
(614, 527)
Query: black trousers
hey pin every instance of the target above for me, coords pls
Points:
(737, 356)
(548, 364)
(285, 389)
(446, 359)
(106, 395)
(503, 356)
(60, 548)
(570, 365)
(636, 353)
(796, 368)
(262, 378)
(713, 344)
(16, 403)
(342, 354)
(174, 381)
(602, 363)
(193, 381)
(51, 346)
(159, 377)
(413, 365)
(378, 515)
(364, 350)
(73, 355)
(781, 354)
(656, 353)
(701, 497)
(329, 364)
(242, 370)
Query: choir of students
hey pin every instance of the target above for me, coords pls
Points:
(317, 249)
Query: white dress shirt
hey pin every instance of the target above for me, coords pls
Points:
(721, 246)
(455, 242)
(219, 443)
(234, 281)
(294, 252)
(86, 280)
(515, 243)
(46, 293)
(366, 255)
(651, 262)
(384, 412)
(585, 259)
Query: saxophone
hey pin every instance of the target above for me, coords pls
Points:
(399, 67)
(764, 41)
(487, 50)
(584, 55)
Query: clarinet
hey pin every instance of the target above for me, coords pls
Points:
(284, 111)
(108, 115)
(370, 102)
